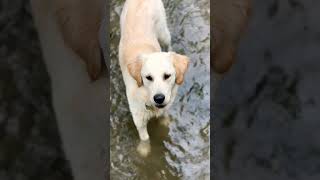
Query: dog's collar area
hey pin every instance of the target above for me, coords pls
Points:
(150, 108)
(153, 108)
(160, 106)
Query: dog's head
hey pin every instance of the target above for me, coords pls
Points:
(159, 73)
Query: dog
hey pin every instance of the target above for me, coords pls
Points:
(68, 33)
(151, 77)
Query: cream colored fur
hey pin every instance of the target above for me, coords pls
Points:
(143, 29)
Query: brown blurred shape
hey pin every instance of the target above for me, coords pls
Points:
(229, 20)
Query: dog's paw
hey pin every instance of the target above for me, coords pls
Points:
(165, 121)
(144, 148)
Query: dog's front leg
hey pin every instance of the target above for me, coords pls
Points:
(141, 122)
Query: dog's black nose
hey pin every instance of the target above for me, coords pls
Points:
(158, 98)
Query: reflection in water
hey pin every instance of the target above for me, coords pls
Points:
(267, 107)
(180, 150)
(144, 148)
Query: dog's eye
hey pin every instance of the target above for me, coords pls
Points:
(149, 78)
(166, 76)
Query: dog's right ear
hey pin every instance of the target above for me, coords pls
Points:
(229, 20)
(180, 63)
(134, 69)
(79, 22)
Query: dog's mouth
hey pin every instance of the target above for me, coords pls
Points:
(155, 107)
(160, 106)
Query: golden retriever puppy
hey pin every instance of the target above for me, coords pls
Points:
(151, 76)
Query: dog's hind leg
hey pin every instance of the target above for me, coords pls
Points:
(162, 29)
(164, 38)
(165, 120)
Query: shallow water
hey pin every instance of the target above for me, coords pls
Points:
(182, 150)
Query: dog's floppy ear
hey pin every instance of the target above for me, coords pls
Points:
(229, 19)
(134, 69)
(180, 63)
(79, 22)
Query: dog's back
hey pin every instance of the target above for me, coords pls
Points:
(137, 29)
(135, 17)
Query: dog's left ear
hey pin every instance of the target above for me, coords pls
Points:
(180, 63)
